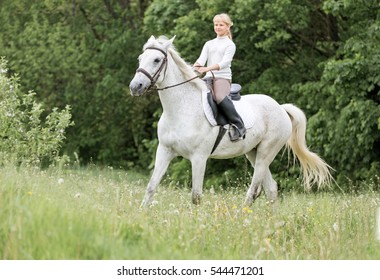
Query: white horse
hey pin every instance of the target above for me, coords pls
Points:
(183, 129)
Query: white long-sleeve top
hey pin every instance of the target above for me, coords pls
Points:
(221, 51)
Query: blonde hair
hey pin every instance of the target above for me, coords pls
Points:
(227, 20)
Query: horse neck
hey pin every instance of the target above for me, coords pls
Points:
(185, 99)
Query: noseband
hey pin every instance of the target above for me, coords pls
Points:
(153, 79)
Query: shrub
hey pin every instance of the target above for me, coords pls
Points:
(28, 135)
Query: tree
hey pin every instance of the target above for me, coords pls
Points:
(82, 53)
(351, 84)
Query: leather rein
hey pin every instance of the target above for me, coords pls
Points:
(153, 79)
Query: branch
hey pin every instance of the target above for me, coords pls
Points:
(110, 9)
(308, 42)
(96, 34)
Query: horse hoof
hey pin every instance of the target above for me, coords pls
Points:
(196, 199)
(248, 202)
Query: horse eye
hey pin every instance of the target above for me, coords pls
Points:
(157, 60)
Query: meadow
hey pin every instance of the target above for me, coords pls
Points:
(93, 213)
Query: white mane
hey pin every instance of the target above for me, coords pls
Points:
(182, 65)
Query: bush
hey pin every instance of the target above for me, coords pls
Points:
(26, 137)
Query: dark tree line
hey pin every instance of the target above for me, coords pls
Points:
(323, 56)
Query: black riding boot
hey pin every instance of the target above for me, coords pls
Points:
(234, 119)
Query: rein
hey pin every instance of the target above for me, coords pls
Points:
(153, 79)
(193, 78)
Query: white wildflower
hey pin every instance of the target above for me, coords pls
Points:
(61, 181)
(153, 203)
(335, 227)
(246, 223)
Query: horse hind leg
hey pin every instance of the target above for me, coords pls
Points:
(270, 187)
(262, 177)
(271, 191)
(255, 188)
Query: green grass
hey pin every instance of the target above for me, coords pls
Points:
(94, 214)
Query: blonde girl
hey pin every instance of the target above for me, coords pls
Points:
(215, 60)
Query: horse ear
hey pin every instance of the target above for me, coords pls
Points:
(169, 42)
(151, 38)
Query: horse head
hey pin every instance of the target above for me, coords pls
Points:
(152, 63)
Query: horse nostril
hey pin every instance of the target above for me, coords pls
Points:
(134, 87)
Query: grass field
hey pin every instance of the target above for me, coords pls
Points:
(94, 214)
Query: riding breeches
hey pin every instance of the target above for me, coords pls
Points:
(222, 88)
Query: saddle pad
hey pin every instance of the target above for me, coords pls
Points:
(244, 110)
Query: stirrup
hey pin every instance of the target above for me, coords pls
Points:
(234, 137)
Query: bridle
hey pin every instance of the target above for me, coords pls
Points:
(153, 79)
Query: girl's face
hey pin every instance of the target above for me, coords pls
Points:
(221, 28)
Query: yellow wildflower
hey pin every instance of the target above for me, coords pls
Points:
(246, 209)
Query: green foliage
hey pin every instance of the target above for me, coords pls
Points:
(350, 83)
(86, 53)
(161, 16)
(26, 137)
(323, 56)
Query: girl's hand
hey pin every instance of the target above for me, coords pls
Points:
(202, 69)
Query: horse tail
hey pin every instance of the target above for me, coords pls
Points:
(315, 170)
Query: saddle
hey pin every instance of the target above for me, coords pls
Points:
(218, 114)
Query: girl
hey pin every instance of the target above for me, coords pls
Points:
(218, 53)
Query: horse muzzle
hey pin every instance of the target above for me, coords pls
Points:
(138, 87)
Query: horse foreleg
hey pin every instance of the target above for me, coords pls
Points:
(163, 158)
(198, 166)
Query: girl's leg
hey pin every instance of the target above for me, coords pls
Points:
(222, 89)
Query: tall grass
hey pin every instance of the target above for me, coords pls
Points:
(94, 214)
